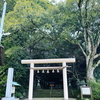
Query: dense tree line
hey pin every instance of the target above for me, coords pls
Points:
(42, 29)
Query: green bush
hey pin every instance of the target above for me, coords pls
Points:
(95, 89)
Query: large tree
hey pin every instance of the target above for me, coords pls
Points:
(90, 22)
(82, 27)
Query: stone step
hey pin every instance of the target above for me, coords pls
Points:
(51, 99)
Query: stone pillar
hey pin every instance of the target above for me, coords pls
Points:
(9, 85)
(31, 82)
(65, 85)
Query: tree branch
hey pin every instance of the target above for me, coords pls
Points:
(41, 30)
(82, 50)
(97, 64)
(85, 35)
(96, 56)
(75, 74)
(98, 42)
(91, 38)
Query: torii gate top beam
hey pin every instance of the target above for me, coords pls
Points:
(45, 61)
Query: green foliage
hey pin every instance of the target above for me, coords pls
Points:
(97, 73)
(10, 5)
(22, 14)
(3, 78)
(14, 55)
(1, 8)
(75, 93)
(95, 89)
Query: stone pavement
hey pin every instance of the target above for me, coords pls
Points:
(50, 99)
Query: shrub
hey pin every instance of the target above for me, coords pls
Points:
(95, 89)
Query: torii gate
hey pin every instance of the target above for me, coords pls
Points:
(45, 61)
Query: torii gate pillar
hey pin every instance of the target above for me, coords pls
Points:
(65, 85)
(31, 82)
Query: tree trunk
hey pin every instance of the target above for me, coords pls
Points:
(90, 69)
(90, 75)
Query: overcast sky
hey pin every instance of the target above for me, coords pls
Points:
(58, 0)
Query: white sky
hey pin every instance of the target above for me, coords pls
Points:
(59, 0)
